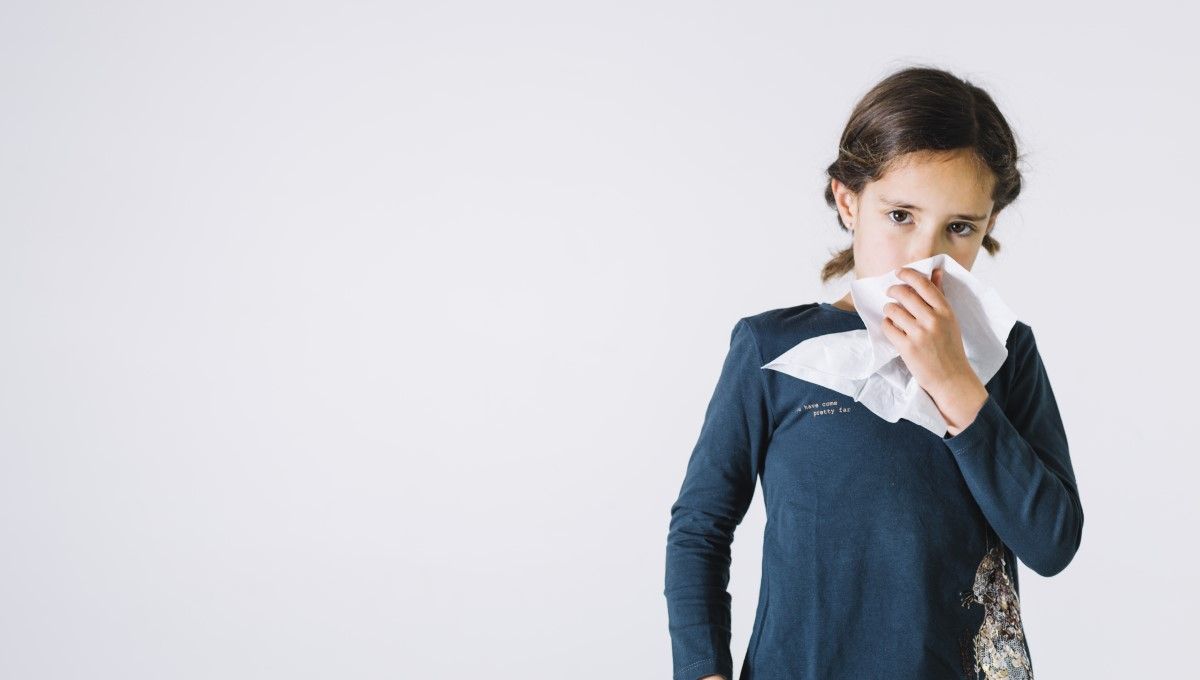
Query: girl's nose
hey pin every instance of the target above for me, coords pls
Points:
(923, 253)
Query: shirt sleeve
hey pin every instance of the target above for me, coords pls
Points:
(1017, 465)
(717, 489)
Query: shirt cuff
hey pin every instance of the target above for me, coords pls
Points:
(982, 429)
(703, 669)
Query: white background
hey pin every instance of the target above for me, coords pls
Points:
(370, 340)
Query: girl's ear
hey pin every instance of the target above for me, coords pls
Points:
(991, 224)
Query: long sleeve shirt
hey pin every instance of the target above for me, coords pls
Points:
(875, 531)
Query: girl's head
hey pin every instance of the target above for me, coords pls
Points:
(925, 164)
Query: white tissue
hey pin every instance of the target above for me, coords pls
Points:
(866, 366)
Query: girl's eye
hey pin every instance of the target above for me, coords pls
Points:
(970, 228)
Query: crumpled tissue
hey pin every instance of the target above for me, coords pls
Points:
(866, 366)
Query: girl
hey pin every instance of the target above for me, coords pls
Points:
(889, 552)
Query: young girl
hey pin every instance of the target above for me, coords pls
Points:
(889, 551)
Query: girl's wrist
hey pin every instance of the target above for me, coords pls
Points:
(960, 402)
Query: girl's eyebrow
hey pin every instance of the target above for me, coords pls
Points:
(909, 206)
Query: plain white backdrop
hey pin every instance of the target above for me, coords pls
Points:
(370, 340)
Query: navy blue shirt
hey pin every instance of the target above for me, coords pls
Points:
(875, 531)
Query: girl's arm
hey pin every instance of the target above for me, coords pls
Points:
(1017, 464)
(716, 492)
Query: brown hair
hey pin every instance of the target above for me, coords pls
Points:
(921, 109)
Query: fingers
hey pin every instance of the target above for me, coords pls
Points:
(920, 295)
(899, 317)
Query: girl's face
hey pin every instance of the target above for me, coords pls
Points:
(927, 203)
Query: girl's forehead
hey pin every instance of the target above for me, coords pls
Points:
(957, 161)
(931, 176)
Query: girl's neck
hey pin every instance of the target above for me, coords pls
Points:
(846, 303)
